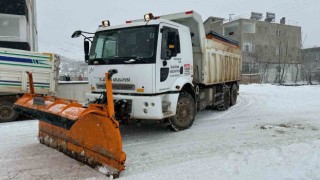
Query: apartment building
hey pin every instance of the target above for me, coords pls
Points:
(269, 48)
(310, 58)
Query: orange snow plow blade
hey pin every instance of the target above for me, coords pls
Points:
(90, 135)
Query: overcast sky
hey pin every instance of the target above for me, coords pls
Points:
(57, 19)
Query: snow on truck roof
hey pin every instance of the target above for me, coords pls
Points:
(169, 18)
(182, 15)
(139, 23)
(189, 20)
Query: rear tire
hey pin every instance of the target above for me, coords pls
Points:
(234, 94)
(7, 113)
(226, 99)
(185, 113)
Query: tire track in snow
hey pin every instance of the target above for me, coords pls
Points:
(245, 101)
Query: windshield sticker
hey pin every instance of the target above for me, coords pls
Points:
(187, 69)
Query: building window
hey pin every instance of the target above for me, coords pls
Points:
(13, 28)
(248, 47)
(14, 7)
(318, 56)
(249, 68)
(278, 32)
(245, 68)
(248, 27)
(231, 29)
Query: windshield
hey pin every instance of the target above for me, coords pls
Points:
(120, 46)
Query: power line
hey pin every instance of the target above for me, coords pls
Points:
(269, 9)
(284, 7)
(297, 5)
(302, 5)
(285, 12)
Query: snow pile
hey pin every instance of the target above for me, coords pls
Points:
(271, 133)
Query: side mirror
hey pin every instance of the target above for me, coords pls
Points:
(86, 46)
(112, 72)
(76, 34)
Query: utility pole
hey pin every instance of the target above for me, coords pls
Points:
(230, 17)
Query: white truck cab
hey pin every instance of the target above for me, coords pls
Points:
(167, 68)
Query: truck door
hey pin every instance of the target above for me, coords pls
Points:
(168, 65)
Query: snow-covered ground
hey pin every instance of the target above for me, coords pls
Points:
(273, 132)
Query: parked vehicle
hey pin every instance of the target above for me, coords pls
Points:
(18, 26)
(14, 65)
(168, 68)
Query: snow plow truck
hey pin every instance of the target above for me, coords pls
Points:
(160, 68)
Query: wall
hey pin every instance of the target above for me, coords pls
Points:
(250, 79)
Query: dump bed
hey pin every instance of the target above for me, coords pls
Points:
(216, 60)
(15, 63)
(222, 61)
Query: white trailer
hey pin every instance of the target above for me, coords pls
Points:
(14, 65)
(168, 68)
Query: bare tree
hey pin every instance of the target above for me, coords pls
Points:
(277, 51)
(310, 70)
(287, 54)
(261, 56)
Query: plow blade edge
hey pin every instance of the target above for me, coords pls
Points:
(89, 135)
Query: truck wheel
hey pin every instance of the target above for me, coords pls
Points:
(226, 99)
(234, 95)
(185, 113)
(7, 113)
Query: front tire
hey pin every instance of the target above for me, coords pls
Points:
(185, 113)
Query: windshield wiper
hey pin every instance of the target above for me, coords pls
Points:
(131, 59)
(134, 59)
(98, 60)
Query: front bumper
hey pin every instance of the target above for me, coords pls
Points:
(144, 107)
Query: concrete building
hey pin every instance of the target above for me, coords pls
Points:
(18, 25)
(310, 62)
(269, 48)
